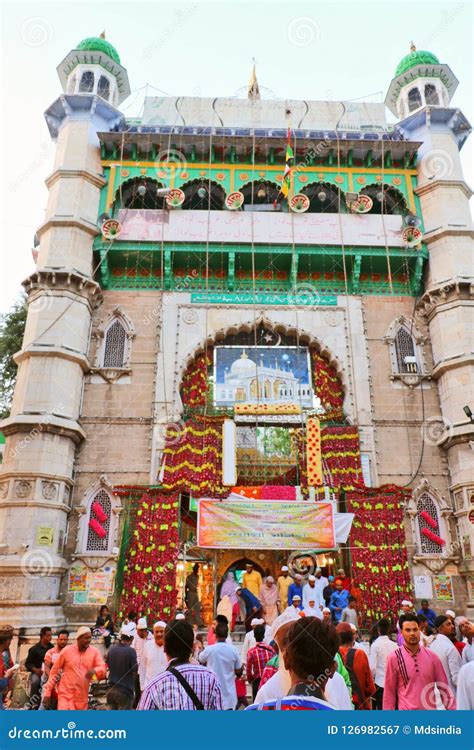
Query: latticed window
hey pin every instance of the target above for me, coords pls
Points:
(114, 345)
(428, 505)
(405, 347)
(96, 542)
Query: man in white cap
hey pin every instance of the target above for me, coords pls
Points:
(72, 673)
(154, 659)
(320, 581)
(327, 617)
(249, 640)
(315, 592)
(122, 661)
(296, 604)
(141, 638)
(283, 584)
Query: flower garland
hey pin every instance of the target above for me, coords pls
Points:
(378, 550)
(328, 387)
(149, 582)
(341, 455)
(193, 458)
(195, 383)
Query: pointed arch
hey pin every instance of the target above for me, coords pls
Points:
(406, 344)
(428, 510)
(116, 335)
(260, 195)
(414, 99)
(139, 193)
(98, 526)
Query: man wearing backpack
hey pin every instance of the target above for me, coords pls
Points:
(357, 664)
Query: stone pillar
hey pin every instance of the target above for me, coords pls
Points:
(448, 307)
(43, 428)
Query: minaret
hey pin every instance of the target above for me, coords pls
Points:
(420, 94)
(43, 429)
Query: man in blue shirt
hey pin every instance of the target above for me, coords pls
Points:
(339, 600)
(295, 589)
(429, 613)
(253, 606)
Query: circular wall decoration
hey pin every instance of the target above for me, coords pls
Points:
(189, 316)
(471, 517)
(362, 205)
(303, 178)
(175, 198)
(299, 203)
(243, 176)
(220, 176)
(234, 201)
(360, 180)
(412, 236)
(339, 179)
(397, 181)
(124, 172)
(111, 229)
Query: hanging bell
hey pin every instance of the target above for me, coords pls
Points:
(261, 192)
(322, 196)
(141, 190)
(202, 192)
(379, 196)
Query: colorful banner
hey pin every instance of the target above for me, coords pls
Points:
(278, 524)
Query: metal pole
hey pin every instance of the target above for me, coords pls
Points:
(184, 576)
(215, 583)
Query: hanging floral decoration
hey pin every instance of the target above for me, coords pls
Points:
(151, 554)
(429, 519)
(192, 458)
(378, 550)
(195, 383)
(433, 537)
(328, 387)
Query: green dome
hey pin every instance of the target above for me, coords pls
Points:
(416, 57)
(97, 44)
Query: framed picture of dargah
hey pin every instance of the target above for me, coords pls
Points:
(262, 374)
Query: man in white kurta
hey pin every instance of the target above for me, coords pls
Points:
(465, 694)
(314, 590)
(154, 660)
(446, 651)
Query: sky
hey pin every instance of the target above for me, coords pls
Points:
(308, 50)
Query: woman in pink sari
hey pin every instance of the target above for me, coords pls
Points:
(268, 598)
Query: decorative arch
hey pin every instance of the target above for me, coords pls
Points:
(327, 370)
(386, 199)
(325, 198)
(405, 340)
(260, 195)
(99, 522)
(139, 193)
(103, 87)
(428, 509)
(203, 195)
(431, 94)
(115, 335)
(87, 82)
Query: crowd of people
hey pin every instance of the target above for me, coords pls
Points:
(302, 650)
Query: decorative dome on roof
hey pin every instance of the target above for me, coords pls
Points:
(100, 44)
(415, 57)
(243, 366)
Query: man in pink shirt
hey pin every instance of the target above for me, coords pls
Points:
(77, 665)
(414, 674)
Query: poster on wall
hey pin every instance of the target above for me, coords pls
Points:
(100, 585)
(443, 588)
(44, 536)
(78, 578)
(253, 524)
(423, 587)
(263, 375)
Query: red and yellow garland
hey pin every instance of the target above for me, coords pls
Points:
(149, 582)
(378, 550)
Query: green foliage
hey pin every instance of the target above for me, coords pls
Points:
(12, 327)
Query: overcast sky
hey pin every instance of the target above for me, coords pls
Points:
(313, 50)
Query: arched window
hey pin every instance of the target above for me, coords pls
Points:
(86, 85)
(139, 193)
(405, 351)
(202, 195)
(103, 88)
(99, 517)
(428, 506)
(325, 198)
(414, 99)
(115, 345)
(260, 195)
(386, 199)
(431, 95)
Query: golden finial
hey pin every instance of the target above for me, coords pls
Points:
(412, 47)
(102, 36)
